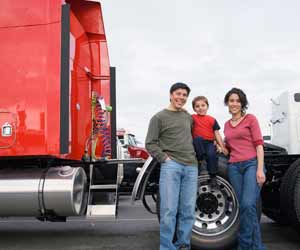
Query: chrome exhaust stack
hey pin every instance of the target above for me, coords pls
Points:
(58, 191)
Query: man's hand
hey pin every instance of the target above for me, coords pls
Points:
(260, 177)
(168, 158)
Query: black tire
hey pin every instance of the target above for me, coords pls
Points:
(273, 216)
(222, 166)
(288, 214)
(297, 199)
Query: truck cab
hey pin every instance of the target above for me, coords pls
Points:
(285, 121)
(130, 147)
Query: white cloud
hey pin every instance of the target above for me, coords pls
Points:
(211, 45)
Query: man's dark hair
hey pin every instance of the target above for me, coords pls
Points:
(242, 96)
(180, 85)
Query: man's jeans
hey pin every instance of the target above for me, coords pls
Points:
(178, 191)
(242, 176)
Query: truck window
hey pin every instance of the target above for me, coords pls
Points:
(121, 138)
(297, 97)
(131, 140)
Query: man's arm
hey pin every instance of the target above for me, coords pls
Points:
(152, 140)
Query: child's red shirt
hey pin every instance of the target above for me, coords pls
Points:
(205, 126)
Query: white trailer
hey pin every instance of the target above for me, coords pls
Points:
(281, 192)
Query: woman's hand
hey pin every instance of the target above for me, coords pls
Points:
(260, 177)
(218, 148)
(225, 151)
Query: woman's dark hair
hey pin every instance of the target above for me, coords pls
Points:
(242, 96)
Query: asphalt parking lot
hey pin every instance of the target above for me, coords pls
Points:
(134, 229)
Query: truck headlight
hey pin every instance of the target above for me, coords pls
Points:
(6, 129)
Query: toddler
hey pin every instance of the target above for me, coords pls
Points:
(205, 132)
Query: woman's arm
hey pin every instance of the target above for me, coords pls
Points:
(258, 142)
(260, 175)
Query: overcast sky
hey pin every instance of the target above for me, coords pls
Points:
(212, 45)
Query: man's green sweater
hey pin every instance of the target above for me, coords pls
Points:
(170, 135)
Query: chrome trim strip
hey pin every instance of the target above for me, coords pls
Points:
(139, 179)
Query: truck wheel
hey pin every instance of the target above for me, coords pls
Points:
(288, 195)
(217, 218)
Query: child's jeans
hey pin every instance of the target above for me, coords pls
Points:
(206, 149)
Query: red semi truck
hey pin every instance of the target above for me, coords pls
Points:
(55, 108)
(58, 155)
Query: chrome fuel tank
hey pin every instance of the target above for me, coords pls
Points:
(35, 192)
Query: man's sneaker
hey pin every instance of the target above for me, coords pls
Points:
(213, 182)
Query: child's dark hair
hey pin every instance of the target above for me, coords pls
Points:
(200, 98)
(242, 96)
(180, 85)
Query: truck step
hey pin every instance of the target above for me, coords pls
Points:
(103, 187)
(101, 212)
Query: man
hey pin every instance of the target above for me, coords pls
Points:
(169, 140)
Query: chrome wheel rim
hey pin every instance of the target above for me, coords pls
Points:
(216, 208)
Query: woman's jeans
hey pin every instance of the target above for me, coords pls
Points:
(242, 176)
(178, 190)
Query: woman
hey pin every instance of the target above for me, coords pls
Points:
(246, 166)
